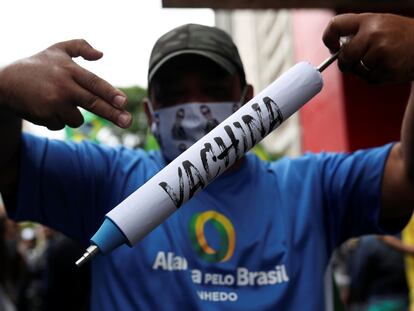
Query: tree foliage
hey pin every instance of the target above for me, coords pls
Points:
(135, 95)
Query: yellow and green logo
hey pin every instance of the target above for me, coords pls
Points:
(226, 232)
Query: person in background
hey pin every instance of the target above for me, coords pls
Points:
(405, 246)
(12, 266)
(377, 275)
(65, 287)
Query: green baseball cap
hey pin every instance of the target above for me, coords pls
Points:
(206, 41)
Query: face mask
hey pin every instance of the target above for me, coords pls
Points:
(178, 127)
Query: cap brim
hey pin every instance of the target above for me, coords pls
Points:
(216, 58)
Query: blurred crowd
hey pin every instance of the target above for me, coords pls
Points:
(37, 270)
(376, 273)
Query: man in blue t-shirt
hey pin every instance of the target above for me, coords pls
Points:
(260, 236)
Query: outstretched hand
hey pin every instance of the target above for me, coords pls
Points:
(379, 49)
(47, 88)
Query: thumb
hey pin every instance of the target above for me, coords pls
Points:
(340, 26)
(79, 47)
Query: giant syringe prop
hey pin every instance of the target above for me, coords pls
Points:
(146, 208)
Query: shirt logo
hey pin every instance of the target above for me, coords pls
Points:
(225, 230)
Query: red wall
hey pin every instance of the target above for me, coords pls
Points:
(374, 113)
(323, 122)
(348, 114)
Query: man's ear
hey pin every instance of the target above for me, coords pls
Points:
(147, 110)
(249, 93)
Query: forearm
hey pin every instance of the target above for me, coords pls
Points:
(397, 244)
(407, 137)
(398, 178)
(10, 133)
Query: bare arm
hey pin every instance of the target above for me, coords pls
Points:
(10, 127)
(380, 50)
(397, 244)
(47, 89)
(398, 180)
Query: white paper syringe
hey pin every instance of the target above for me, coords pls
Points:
(212, 155)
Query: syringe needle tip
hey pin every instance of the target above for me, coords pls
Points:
(325, 64)
(90, 252)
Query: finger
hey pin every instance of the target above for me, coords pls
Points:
(340, 26)
(371, 61)
(79, 47)
(352, 52)
(99, 87)
(54, 124)
(361, 71)
(72, 117)
(103, 109)
(376, 76)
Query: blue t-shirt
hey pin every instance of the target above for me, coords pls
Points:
(257, 238)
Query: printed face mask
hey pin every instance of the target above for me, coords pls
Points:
(180, 126)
